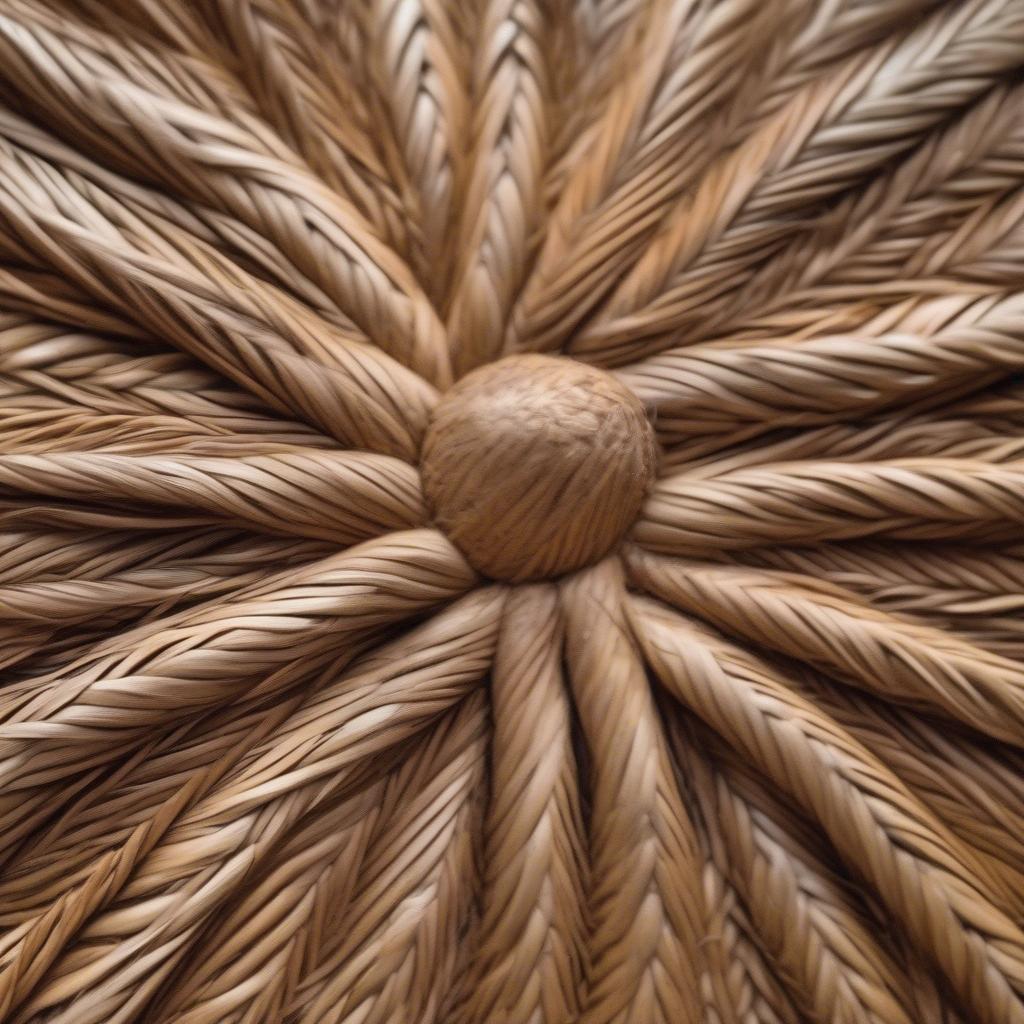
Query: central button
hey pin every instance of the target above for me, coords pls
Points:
(537, 465)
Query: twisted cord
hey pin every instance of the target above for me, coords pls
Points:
(178, 71)
(313, 104)
(952, 781)
(645, 150)
(216, 653)
(810, 502)
(588, 57)
(531, 956)
(93, 814)
(832, 630)
(26, 962)
(925, 879)
(247, 962)
(343, 497)
(504, 188)
(804, 155)
(323, 754)
(417, 63)
(160, 220)
(976, 596)
(65, 577)
(51, 375)
(41, 293)
(415, 892)
(929, 428)
(645, 901)
(709, 388)
(821, 940)
(224, 165)
(739, 983)
(212, 309)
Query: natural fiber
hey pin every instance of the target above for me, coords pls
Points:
(510, 512)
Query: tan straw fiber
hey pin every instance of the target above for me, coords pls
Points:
(511, 512)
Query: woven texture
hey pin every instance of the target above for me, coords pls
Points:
(511, 511)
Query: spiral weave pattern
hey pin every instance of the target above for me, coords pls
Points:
(510, 512)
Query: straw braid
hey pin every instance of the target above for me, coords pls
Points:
(63, 578)
(245, 966)
(67, 428)
(530, 960)
(189, 78)
(930, 995)
(153, 23)
(821, 940)
(810, 40)
(312, 103)
(827, 628)
(161, 221)
(595, 36)
(224, 316)
(39, 942)
(94, 813)
(415, 907)
(216, 653)
(323, 754)
(33, 946)
(928, 428)
(188, 149)
(342, 497)
(910, 223)
(911, 749)
(808, 502)
(416, 62)
(820, 380)
(645, 150)
(956, 587)
(732, 219)
(926, 880)
(738, 985)
(50, 370)
(503, 205)
(39, 293)
(645, 901)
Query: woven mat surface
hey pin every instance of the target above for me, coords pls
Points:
(511, 511)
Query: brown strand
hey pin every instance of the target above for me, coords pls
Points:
(645, 898)
(926, 880)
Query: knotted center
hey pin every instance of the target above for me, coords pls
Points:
(536, 465)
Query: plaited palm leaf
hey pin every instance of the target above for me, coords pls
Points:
(512, 511)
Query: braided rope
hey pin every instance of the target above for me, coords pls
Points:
(187, 149)
(275, 348)
(252, 814)
(826, 627)
(945, 64)
(645, 899)
(798, 907)
(612, 202)
(738, 984)
(823, 379)
(367, 495)
(749, 755)
(504, 194)
(874, 823)
(532, 930)
(415, 58)
(213, 653)
(807, 502)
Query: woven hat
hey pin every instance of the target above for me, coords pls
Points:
(511, 512)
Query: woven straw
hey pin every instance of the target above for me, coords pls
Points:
(511, 511)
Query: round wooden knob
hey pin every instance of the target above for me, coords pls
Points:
(536, 465)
